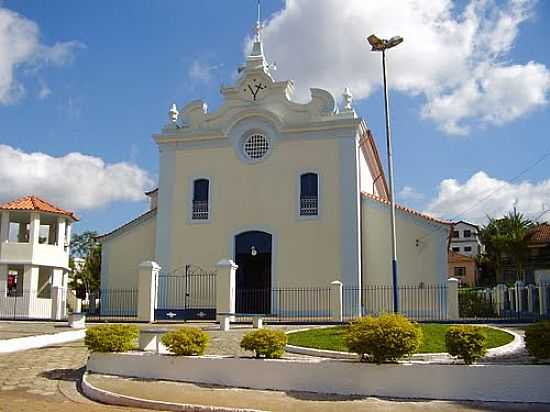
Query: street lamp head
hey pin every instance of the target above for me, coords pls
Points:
(376, 42)
(379, 44)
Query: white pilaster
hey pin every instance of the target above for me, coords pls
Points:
(30, 279)
(519, 295)
(531, 293)
(61, 232)
(5, 227)
(147, 281)
(336, 304)
(34, 231)
(58, 303)
(68, 238)
(3, 280)
(225, 287)
(452, 299)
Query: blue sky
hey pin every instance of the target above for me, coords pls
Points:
(97, 78)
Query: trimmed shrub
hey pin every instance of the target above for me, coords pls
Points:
(473, 304)
(537, 339)
(466, 342)
(111, 338)
(388, 337)
(269, 343)
(186, 341)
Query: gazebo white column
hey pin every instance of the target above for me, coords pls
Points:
(34, 232)
(61, 232)
(5, 227)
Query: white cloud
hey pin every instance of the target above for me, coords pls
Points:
(481, 196)
(457, 59)
(73, 181)
(410, 193)
(44, 91)
(201, 71)
(20, 46)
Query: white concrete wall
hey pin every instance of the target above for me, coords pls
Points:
(518, 383)
(259, 196)
(123, 252)
(421, 247)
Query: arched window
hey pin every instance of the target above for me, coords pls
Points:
(309, 194)
(200, 206)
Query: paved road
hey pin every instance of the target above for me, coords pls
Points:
(43, 380)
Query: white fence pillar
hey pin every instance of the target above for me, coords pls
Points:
(225, 288)
(452, 299)
(512, 299)
(147, 282)
(519, 295)
(58, 303)
(500, 298)
(531, 293)
(543, 298)
(336, 304)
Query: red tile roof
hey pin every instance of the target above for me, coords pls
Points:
(406, 209)
(35, 204)
(458, 257)
(539, 234)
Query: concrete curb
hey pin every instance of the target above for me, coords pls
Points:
(516, 345)
(39, 341)
(111, 398)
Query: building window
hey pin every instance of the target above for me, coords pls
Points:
(256, 146)
(456, 249)
(460, 271)
(200, 199)
(467, 233)
(467, 248)
(455, 233)
(309, 194)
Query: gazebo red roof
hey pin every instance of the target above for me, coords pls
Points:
(35, 204)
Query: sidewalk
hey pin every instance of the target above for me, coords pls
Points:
(19, 329)
(277, 401)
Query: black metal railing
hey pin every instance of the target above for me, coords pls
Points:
(309, 206)
(418, 302)
(200, 210)
(112, 305)
(303, 305)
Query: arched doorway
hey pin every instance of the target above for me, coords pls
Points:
(253, 255)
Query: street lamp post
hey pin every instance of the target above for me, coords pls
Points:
(382, 45)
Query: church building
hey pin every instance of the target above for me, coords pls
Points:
(294, 193)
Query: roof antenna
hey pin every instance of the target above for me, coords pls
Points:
(258, 23)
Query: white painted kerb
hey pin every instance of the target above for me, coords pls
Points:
(39, 341)
(514, 383)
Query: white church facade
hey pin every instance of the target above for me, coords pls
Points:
(294, 193)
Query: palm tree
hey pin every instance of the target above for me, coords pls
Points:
(505, 237)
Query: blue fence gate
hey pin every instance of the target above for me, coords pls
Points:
(186, 294)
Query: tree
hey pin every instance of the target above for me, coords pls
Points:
(86, 277)
(505, 238)
(83, 243)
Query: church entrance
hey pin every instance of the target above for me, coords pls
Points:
(253, 255)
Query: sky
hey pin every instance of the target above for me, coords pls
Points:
(84, 85)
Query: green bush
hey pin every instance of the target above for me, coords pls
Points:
(472, 303)
(467, 342)
(265, 342)
(111, 338)
(537, 339)
(186, 341)
(388, 337)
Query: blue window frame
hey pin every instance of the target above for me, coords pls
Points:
(200, 207)
(309, 194)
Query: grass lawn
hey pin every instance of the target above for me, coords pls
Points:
(434, 338)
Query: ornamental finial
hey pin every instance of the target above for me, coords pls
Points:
(348, 100)
(173, 113)
(258, 23)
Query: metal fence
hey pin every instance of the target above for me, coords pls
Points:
(24, 304)
(418, 302)
(503, 303)
(303, 305)
(116, 305)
